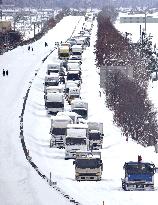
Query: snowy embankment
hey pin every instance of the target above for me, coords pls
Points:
(115, 149)
(19, 183)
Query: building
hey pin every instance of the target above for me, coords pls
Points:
(138, 19)
(5, 26)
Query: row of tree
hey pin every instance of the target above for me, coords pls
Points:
(133, 111)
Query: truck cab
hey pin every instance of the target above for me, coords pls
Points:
(53, 68)
(52, 79)
(54, 102)
(80, 107)
(77, 50)
(63, 52)
(138, 176)
(95, 135)
(88, 166)
(74, 92)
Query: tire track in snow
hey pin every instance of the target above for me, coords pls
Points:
(26, 152)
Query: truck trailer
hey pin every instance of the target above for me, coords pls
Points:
(58, 130)
(76, 139)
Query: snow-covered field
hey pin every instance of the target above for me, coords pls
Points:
(19, 183)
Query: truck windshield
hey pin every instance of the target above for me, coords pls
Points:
(59, 131)
(64, 54)
(76, 53)
(73, 76)
(52, 83)
(139, 168)
(88, 163)
(54, 105)
(52, 71)
(74, 96)
(94, 136)
(75, 141)
(81, 112)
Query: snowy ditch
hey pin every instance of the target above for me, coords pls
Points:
(51, 183)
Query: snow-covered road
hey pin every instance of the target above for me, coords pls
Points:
(19, 183)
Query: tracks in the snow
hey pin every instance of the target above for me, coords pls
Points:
(22, 138)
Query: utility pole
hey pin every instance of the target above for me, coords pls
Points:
(145, 21)
(34, 28)
(1, 9)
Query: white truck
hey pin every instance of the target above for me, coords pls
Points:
(76, 139)
(80, 107)
(88, 166)
(73, 65)
(74, 75)
(77, 50)
(58, 130)
(52, 79)
(54, 102)
(53, 68)
(70, 84)
(95, 135)
(53, 89)
(74, 92)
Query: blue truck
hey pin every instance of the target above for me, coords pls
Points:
(138, 176)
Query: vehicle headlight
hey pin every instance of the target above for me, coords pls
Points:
(77, 174)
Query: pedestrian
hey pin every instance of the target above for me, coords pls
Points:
(3, 72)
(32, 49)
(7, 72)
(28, 48)
(46, 44)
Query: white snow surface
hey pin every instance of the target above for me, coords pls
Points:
(19, 183)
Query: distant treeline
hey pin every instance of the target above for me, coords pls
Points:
(82, 3)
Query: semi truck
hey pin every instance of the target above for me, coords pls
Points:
(76, 139)
(54, 102)
(80, 107)
(95, 135)
(138, 175)
(58, 130)
(88, 166)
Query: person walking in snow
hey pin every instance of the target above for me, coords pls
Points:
(3, 72)
(28, 48)
(7, 72)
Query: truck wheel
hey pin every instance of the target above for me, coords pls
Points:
(123, 186)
